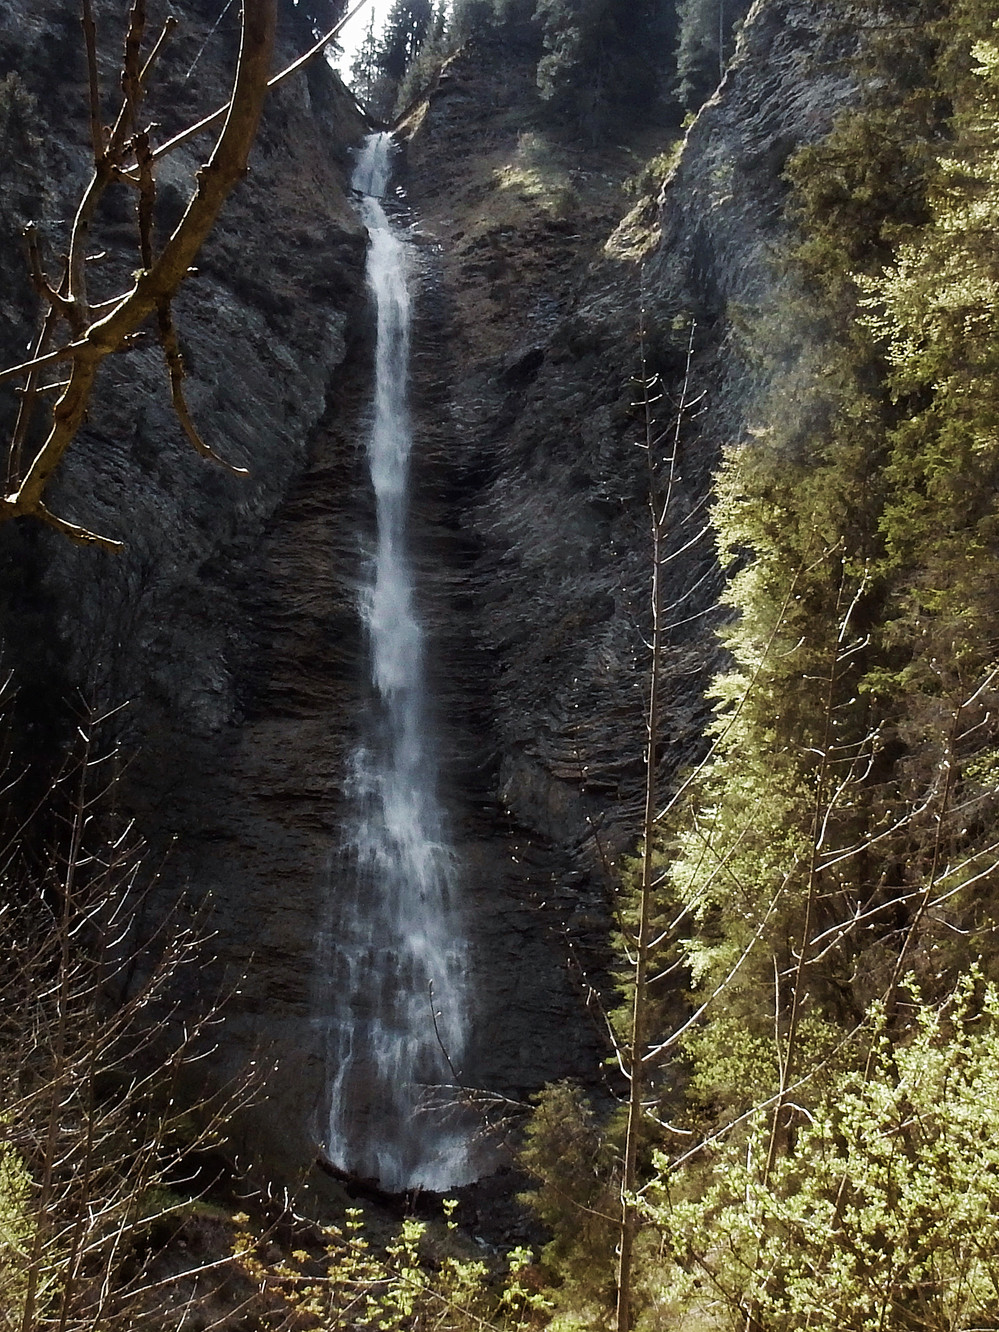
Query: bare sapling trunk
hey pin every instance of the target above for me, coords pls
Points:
(661, 491)
(92, 1115)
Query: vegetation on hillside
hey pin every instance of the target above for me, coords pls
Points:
(815, 1142)
(601, 67)
(819, 1139)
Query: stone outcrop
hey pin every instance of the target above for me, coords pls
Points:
(229, 625)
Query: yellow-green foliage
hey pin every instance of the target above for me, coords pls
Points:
(936, 306)
(417, 1280)
(570, 1155)
(793, 748)
(829, 1159)
(16, 1233)
(851, 783)
(881, 1216)
(648, 180)
(536, 173)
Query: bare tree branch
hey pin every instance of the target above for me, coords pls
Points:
(175, 368)
(285, 73)
(158, 282)
(90, 40)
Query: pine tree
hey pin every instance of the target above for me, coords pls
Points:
(315, 17)
(406, 29)
(475, 17)
(842, 835)
(832, 882)
(364, 70)
(603, 58)
(705, 44)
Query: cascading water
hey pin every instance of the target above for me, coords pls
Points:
(397, 951)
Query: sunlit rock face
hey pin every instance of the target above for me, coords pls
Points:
(230, 623)
(723, 249)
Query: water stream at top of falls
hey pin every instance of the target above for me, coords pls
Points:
(397, 951)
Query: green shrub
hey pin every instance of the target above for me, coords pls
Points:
(17, 1230)
(884, 1214)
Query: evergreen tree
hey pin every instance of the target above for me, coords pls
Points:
(314, 17)
(406, 29)
(830, 888)
(512, 19)
(836, 870)
(603, 58)
(827, 802)
(840, 865)
(705, 43)
(364, 70)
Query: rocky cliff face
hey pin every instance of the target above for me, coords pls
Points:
(216, 624)
(229, 625)
(533, 461)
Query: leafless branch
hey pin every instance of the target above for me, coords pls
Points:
(118, 324)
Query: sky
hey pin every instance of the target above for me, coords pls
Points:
(353, 34)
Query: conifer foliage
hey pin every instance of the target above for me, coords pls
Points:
(706, 38)
(406, 29)
(599, 63)
(824, 1119)
(364, 69)
(398, 63)
(841, 861)
(601, 56)
(315, 17)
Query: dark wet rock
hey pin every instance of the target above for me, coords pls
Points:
(229, 623)
(226, 624)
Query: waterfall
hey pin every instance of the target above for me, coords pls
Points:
(397, 952)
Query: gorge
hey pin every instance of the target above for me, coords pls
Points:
(228, 623)
(374, 697)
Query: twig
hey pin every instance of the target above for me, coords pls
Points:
(131, 72)
(90, 39)
(169, 23)
(437, 1034)
(147, 196)
(285, 73)
(76, 533)
(175, 368)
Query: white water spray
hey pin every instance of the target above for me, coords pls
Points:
(398, 957)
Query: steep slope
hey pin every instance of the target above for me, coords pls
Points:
(531, 455)
(229, 624)
(206, 626)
